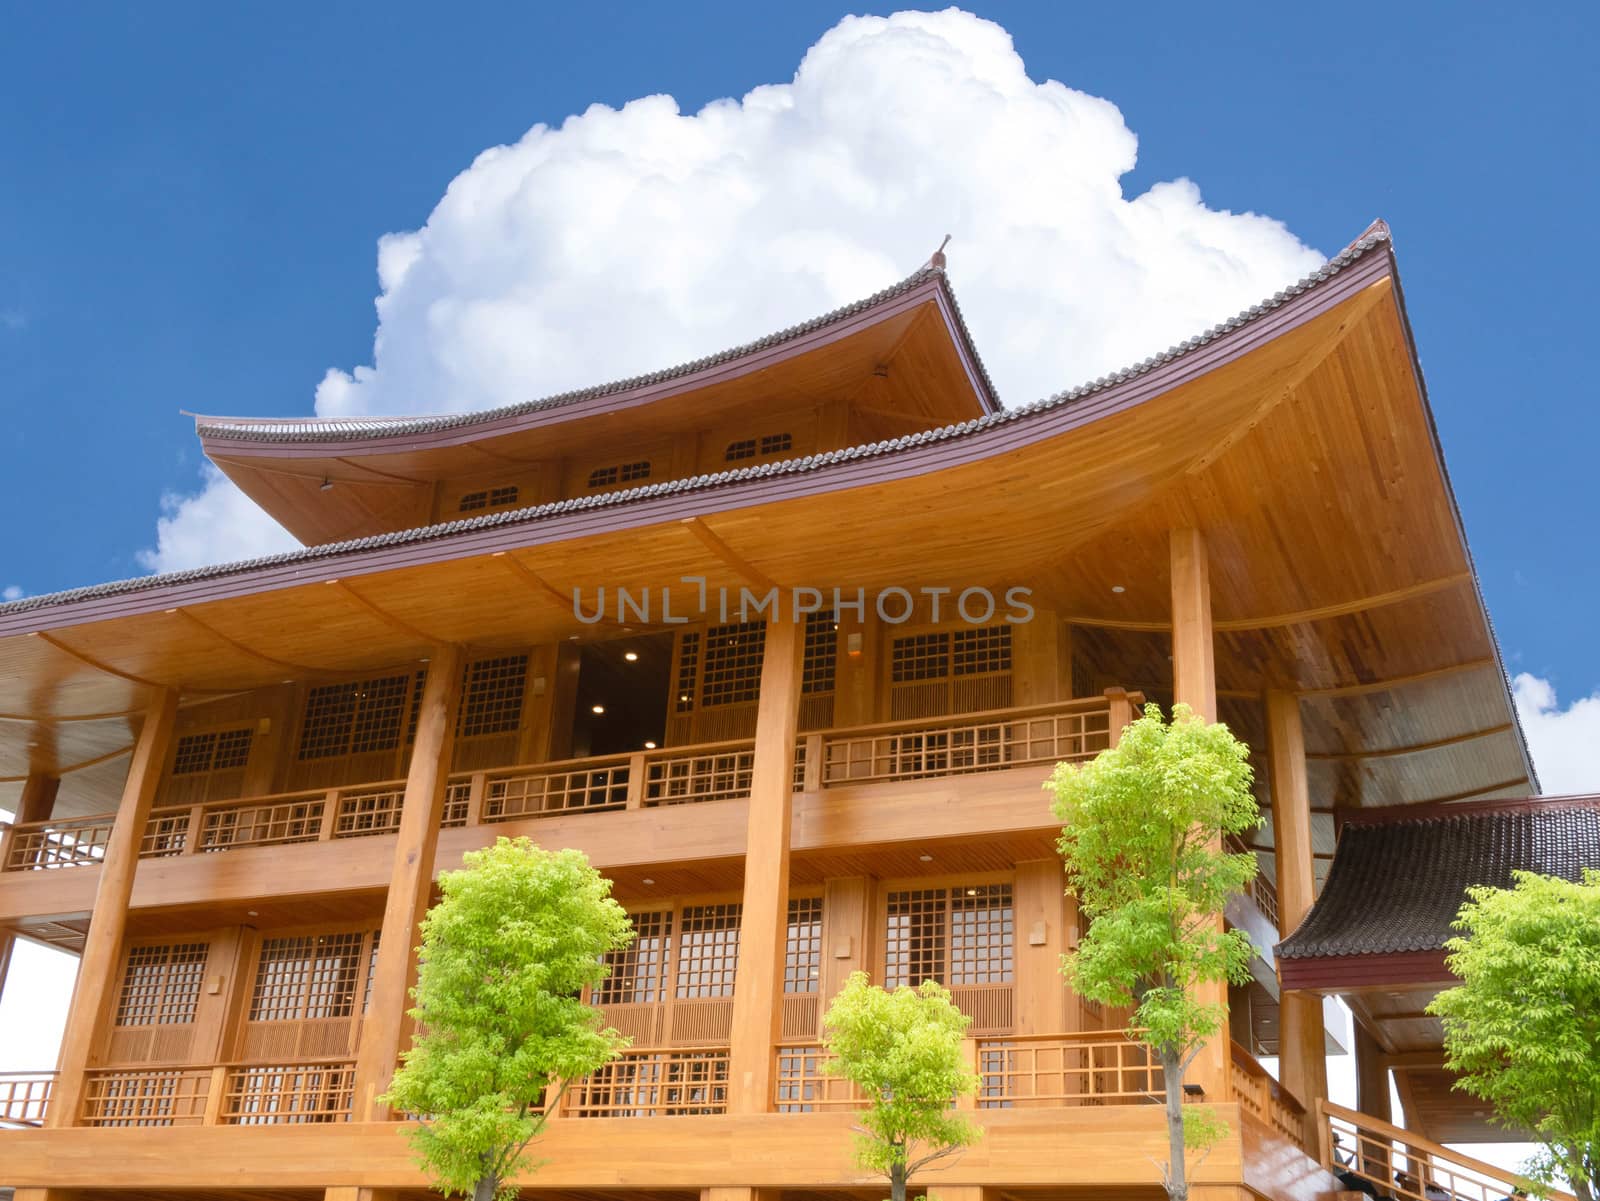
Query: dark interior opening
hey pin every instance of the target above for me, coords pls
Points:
(622, 695)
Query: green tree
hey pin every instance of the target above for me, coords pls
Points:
(505, 954)
(1522, 1029)
(1143, 828)
(902, 1049)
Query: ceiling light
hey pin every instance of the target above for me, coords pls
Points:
(1118, 588)
(326, 485)
(631, 656)
(926, 858)
(251, 913)
(648, 880)
(598, 709)
(684, 697)
(972, 892)
(649, 746)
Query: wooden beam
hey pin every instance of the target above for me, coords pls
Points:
(98, 665)
(1372, 1075)
(101, 962)
(763, 932)
(1472, 792)
(1393, 682)
(212, 631)
(388, 619)
(410, 881)
(730, 557)
(1414, 748)
(38, 799)
(1302, 1050)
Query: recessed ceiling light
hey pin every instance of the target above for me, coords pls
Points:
(684, 697)
(972, 892)
(926, 858)
(648, 880)
(631, 656)
(1118, 588)
(251, 913)
(598, 709)
(649, 746)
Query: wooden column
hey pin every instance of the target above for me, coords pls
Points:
(101, 961)
(763, 932)
(1194, 683)
(1042, 994)
(38, 799)
(1302, 1050)
(847, 912)
(410, 882)
(1372, 1098)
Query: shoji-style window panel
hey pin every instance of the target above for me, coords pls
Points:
(961, 670)
(638, 974)
(819, 669)
(157, 1002)
(802, 951)
(489, 722)
(708, 950)
(308, 994)
(209, 765)
(732, 672)
(355, 718)
(964, 937)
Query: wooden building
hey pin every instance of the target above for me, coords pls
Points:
(234, 785)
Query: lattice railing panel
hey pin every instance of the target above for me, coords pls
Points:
(800, 1087)
(651, 1084)
(586, 785)
(74, 842)
(1067, 1069)
(271, 822)
(457, 803)
(278, 1094)
(364, 811)
(1259, 1095)
(24, 1097)
(150, 1097)
(959, 746)
(714, 774)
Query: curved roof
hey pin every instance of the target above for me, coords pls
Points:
(1375, 238)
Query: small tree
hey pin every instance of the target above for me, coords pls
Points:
(1143, 822)
(1522, 1029)
(505, 955)
(903, 1051)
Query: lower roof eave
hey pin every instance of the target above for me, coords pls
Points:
(1352, 973)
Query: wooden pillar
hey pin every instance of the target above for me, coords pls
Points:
(410, 882)
(1042, 995)
(723, 1193)
(1302, 1050)
(101, 961)
(1372, 1099)
(352, 1192)
(763, 931)
(1194, 683)
(847, 919)
(38, 800)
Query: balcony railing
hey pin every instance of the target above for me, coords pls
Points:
(1264, 1099)
(653, 1083)
(24, 1097)
(1261, 890)
(245, 1094)
(1036, 736)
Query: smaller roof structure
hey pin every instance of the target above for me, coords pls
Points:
(1399, 877)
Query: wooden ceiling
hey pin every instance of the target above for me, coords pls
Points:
(1307, 457)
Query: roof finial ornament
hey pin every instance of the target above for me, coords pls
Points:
(937, 261)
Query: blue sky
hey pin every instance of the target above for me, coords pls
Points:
(190, 198)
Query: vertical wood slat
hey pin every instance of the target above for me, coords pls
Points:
(635, 780)
(476, 789)
(330, 815)
(196, 827)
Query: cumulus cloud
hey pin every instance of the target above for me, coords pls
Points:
(218, 524)
(1565, 743)
(630, 239)
(12, 592)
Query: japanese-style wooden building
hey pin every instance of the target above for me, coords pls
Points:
(234, 785)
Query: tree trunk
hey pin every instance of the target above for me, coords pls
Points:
(485, 1189)
(897, 1182)
(1177, 1163)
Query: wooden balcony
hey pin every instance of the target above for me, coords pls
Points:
(886, 753)
(1263, 1098)
(24, 1097)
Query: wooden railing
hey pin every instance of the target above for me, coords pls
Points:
(800, 1087)
(653, 1083)
(74, 842)
(24, 1097)
(1264, 1099)
(1090, 1068)
(1403, 1165)
(896, 751)
(973, 742)
(1260, 889)
(242, 1094)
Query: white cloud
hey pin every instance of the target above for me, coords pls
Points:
(1563, 742)
(627, 240)
(12, 592)
(218, 524)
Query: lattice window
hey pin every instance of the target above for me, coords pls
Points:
(639, 972)
(961, 935)
(920, 657)
(744, 448)
(772, 444)
(621, 473)
(471, 502)
(982, 934)
(733, 663)
(820, 662)
(418, 683)
(602, 477)
(914, 945)
(214, 750)
(639, 470)
(982, 651)
(491, 700)
(355, 718)
(305, 978)
(688, 671)
(489, 498)
(372, 970)
(504, 496)
(708, 950)
(802, 950)
(161, 985)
